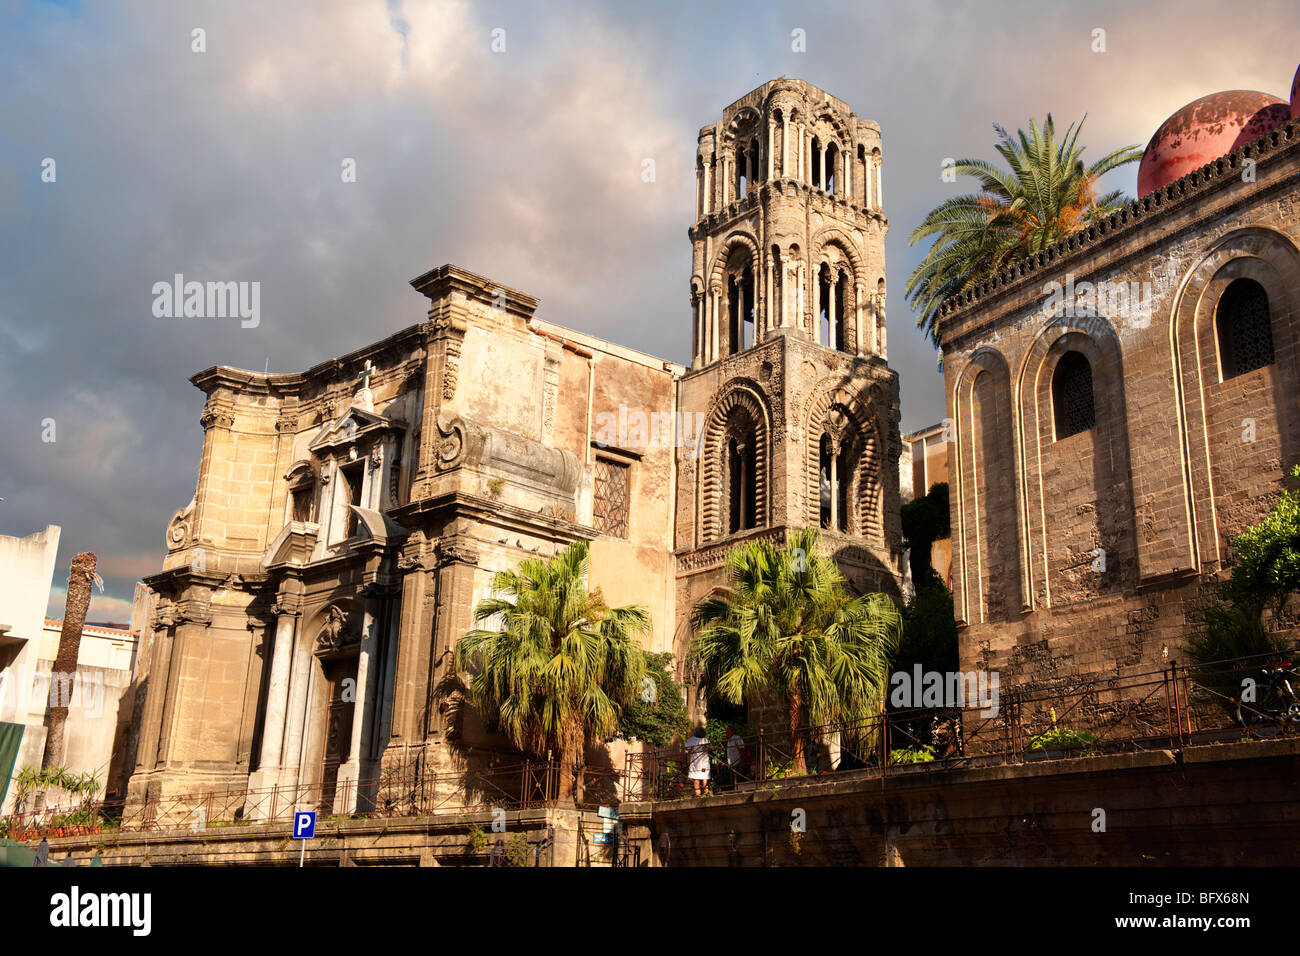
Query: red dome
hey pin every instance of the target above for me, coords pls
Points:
(1295, 100)
(1204, 130)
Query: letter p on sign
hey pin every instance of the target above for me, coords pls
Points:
(304, 825)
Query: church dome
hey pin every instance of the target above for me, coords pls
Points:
(1295, 95)
(1206, 129)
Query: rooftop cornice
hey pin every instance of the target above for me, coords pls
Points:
(218, 376)
(448, 278)
(1125, 222)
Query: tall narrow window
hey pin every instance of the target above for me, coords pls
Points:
(840, 340)
(302, 493)
(611, 498)
(1072, 402)
(824, 287)
(1245, 330)
(816, 172)
(827, 482)
(353, 475)
(741, 465)
(835, 478)
(832, 161)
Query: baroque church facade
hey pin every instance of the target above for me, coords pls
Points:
(347, 519)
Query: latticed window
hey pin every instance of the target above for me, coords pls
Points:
(1245, 331)
(610, 511)
(1072, 403)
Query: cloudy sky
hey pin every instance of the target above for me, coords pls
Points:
(522, 165)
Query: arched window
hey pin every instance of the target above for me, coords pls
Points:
(832, 159)
(753, 161)
(815, 174)
(302, 493)
(1245, 331)
(1072, 402)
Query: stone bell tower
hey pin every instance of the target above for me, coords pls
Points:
(800, 409)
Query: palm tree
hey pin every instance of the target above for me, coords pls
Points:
(558, 672)
(80, 576)
(1046, 195)
(785, 624)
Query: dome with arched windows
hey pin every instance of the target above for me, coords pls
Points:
(1206, 129)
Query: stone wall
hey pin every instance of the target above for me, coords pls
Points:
(1091, 553)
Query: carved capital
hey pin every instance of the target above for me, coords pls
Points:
(456, 549)
(215, 414)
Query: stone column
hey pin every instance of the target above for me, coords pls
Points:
(699, 185)
(800, 296)
(726, 180)
(880, 325)
(802, 152)
(353, 772)
(785, 146)
(821, 170)
(708, 205)
(880, 186)
(277, 697)
(830, 316)
(859, 293)
(713, 332)
(815, 287)
(771, 148)
(770, 297)
(866, 182)
(295, 723)
(848, 176)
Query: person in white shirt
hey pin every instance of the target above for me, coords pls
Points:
(697, 760)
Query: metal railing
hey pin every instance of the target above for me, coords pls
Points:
(1162, 709)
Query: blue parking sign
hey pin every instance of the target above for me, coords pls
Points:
(304, 825)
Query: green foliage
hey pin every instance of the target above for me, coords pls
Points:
(518, 852)
(563, 665)
(1061, 737)
(785, 626)
(1268, 556)
(1045, 194)
(929, 631)
(1267, 572)
(656, 721)
(478, 838)
(921, 754)
(925, 521)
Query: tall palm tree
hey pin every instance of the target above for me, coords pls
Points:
(563, 664)
(1046, 194)
(786, 625)
(80, 577)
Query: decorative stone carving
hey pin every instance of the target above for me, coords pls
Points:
(179, 528)
(337, 633)
(456, 550)
(450, 445)
(451, 370)
(216, 414)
